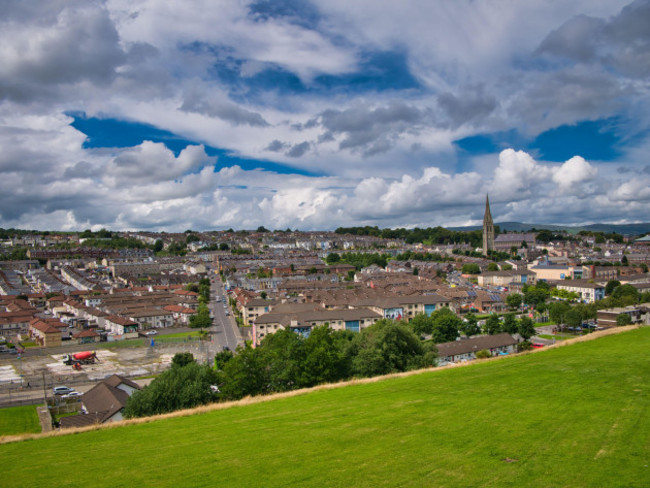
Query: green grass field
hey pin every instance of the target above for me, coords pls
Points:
(564, 417)
(19, 420)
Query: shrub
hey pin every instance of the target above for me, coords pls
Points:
(483, 354)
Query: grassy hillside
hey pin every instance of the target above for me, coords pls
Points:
(18, 420)
(571, 416)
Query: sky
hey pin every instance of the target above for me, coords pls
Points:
(310, 115)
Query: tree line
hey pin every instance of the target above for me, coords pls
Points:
(431, 235)
(286, 361)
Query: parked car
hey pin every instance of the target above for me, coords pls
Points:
(73, 394)
(537, 345)
(62, 390)
(151, 332)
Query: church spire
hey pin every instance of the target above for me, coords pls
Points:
(488, 228)
(488, 215)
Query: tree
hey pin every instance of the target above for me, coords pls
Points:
(610, 286)
(534, 295)
(623, 319)
(557, 310)
(526, 328)
(158, 245)
(514, 300)
(181, 359)
(221, 358)
(421, 324)
(471, 268)
(191, 238)
(446, 325)
(627, 293)
(493, 267)
(283, 356)
(333, 258)
(261, 228)
(263, 295)
(387, 347)
(470, 325)
(180, 387)
(573, 317)
(201, 319)
(245, 374)
(325, 356)
(510, 323)
(492, 325)
(624, 260)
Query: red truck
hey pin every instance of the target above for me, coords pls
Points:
(85, 357)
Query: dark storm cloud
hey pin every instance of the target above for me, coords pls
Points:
(362, 126)
(298, 149)
(226, 111)
(471, 105)
(622, 42)
(74, 45)
(276, 146)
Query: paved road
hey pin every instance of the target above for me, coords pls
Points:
(35, 395)
(225, 329)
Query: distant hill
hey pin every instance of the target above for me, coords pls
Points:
(628, 229)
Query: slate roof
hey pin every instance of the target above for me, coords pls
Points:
(106, 398)
(475, 344)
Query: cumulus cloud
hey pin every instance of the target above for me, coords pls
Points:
(290, 80)
(78, 43)
(573, 172)
(518, 174)
(621, 42)
(152, 162)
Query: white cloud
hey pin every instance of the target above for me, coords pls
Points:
(198, 71)
(576, 170)
(151, 162)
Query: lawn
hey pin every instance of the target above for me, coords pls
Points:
(176, 338)
(570, 416)
(180, 335)
(19, 420)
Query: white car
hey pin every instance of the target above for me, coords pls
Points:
(62, 390)
(151, 332)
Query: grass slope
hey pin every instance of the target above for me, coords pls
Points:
(19, 420)
(569, 416)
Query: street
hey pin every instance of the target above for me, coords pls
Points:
(224, 329)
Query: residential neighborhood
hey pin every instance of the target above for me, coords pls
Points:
(66, 295)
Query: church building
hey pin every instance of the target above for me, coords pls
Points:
(488, 229)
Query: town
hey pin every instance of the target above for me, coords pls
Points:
(139, 299)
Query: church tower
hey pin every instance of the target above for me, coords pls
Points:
(488, 229)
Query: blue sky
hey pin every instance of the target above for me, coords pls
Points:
(315, 114)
